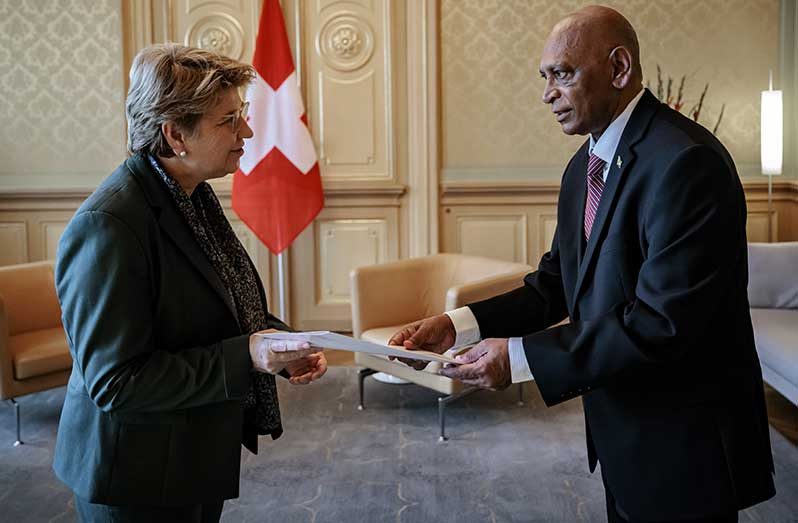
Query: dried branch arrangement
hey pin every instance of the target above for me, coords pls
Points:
(665, 93)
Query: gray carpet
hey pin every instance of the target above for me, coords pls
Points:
(335, 464)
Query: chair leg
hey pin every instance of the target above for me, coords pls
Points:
(361, 377)
(19, 423)
(521, 394)
(445, 400)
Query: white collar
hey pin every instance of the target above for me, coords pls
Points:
(606, 145)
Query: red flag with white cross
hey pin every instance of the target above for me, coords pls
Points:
(277, 189)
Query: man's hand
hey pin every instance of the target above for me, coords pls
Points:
(486, 365)
(272, 356)
(307, 369)
(434, 334)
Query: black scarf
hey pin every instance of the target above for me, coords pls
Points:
(205, 217)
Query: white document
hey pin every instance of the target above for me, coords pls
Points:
(332, 340)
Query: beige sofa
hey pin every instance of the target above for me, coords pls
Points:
(388, 296)
(34, 354)
(773, 296)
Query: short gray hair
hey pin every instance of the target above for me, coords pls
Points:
(171, 82)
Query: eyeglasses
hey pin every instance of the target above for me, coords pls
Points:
(235, 119)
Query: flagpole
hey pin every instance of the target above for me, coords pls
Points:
(281, 284)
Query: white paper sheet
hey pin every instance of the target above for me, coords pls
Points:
(332, 340)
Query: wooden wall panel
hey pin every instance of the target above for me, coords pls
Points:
(13, 242)
(339, 240)
(50, 233)
(350, 95)
(225, 26)
(756, 227)
(347, 136)
(479, 218)
(342, 245)
(493, 234)
(360, 226)
(547, 224)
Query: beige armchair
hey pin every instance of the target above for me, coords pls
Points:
(34, 354)
(388, 296)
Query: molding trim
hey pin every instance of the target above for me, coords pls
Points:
(785, 190)
(137, 30)
(224, 187)
(423, 50)
(48, 184)
(69, 198)
(500, 193)
(522, 175)
(501, 188)
(503, 192)
(533, 175)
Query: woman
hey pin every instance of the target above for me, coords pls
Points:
(161, 304)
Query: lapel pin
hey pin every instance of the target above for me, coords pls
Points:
(619, 162)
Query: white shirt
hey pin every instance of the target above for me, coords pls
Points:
(465, 324)
(607, 143)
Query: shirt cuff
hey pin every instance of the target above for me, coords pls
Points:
(466, 327)
(519, 366)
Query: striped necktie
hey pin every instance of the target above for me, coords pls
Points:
(595, 186)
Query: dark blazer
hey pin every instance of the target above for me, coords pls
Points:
(153, 412)
(660, 344)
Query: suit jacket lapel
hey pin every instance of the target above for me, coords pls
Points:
(633, 133)
(570, 217)
(607, 203)
(176, 227)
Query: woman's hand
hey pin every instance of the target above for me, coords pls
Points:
(272, 356)
(307, 369)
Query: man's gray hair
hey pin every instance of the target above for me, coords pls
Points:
(171, 82)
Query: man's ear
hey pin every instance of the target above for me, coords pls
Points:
(175, 137)
(621, 60)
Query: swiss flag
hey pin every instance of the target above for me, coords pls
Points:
(277, 188)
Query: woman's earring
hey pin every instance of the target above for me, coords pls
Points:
(182, 154)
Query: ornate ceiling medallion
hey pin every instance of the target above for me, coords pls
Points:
(220, 32)
(216, 39)
(346, 42)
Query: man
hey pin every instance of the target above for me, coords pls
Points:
(649, 263)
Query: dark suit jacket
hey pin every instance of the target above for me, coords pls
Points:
(660, 343)
(153, 412)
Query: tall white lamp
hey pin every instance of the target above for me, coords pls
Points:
(772, 125)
